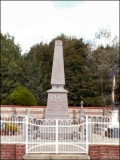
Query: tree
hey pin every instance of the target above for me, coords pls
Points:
(11, 65)
(37, 71)
(86, 69)
(20, 96)
(79, 82)
(101, 58)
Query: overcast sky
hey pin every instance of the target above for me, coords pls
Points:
(31, 22)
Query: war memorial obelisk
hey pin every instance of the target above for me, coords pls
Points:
(57, 102)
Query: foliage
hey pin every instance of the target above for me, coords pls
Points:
(92, 101)
(5, 101)
(36, 76)
(86, 70)
(101, 59)
(21, 96)
(11, 65)
(11, 127)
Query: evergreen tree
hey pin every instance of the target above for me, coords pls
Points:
(11, 65)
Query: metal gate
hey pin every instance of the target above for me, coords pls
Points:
(56, 136)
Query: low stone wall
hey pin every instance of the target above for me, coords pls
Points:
(105, 152)
(38, 111)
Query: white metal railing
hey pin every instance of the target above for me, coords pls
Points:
(58, 136)
(11, 129)
(102, 131)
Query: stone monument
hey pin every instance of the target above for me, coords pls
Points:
(57, 102)
(81, 110)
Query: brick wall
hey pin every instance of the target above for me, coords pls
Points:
(37, 111)
(12, 151)
(105, 152)
(96, 152)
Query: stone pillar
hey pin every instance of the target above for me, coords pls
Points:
(81, 110)
(104, 112)
(74, 114)
(114, 118)
(44, 113)
(82, 132)
(24, 130)
(114, 125)
(90, 138)
(27, 112)
(24, 127)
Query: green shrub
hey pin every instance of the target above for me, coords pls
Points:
(20, 96)
(96, 101)
(11, 127)
(5, 101)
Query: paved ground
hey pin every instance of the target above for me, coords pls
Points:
(57, 156)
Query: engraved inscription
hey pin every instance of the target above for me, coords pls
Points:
(57, 104)
(58, 70)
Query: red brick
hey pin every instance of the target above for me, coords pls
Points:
(116, 157)
(3, 153)
(104, 151)
(93, 146)
(102, 154)
(94, 151)
(20, 150)
(105, 158)
(6, 156)
(116, 152)
(8, 150)
(117, 149)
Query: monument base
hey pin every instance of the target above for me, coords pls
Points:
(57, 105)
(51, 116)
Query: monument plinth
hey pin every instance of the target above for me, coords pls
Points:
(57, 103)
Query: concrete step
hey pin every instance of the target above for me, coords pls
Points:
(56, 156)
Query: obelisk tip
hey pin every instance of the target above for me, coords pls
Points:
(58, 43)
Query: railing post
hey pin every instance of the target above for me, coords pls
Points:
(90, 139)
(56, 136)
(24, 130)
(26, 137)
(87, 134)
